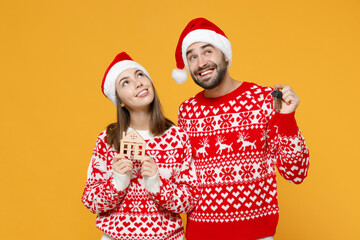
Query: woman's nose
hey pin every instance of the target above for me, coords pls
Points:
(138, 83)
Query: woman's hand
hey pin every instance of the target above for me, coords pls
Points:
(148, 167)
(122, 165)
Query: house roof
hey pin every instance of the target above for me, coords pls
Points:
(134, 137)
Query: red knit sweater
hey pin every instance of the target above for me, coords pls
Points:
(237, 140)
(136, 213)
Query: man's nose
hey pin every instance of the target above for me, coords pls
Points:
(202, 61)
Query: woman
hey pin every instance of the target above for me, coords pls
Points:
(139, 199)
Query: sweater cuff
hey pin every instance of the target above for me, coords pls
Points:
(286, 123)
(152, 184)
(121, 181)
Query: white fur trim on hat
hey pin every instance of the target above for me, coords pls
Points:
(179, 75)
(208, 36)
(114, 72)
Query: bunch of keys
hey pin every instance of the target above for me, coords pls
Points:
(277, 96)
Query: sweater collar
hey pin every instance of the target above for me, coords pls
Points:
(145, 134)
(201, 99)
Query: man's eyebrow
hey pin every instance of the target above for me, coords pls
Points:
(202, 47)
(188, 52)
(207, 45)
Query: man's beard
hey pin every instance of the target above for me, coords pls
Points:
(220, 70)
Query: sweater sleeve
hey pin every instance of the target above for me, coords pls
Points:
(180, 120)
(285, 144)
(100, 194)
(180, 193)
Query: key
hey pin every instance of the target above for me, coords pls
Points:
(277, 96)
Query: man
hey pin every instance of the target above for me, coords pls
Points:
(237, 140)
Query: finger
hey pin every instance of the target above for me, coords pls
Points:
(286, 94)
(147, 158)
(122, 156)
(145, 174)
(120, 165)
(151, 168)
(148, 164)
(126, 160)
(147, 161)
(126, 164)
(119, 157)
(289, 99)
(125, 170)
(116, 158)
(122, 161)
(287, 90)
(148, 173)
(123, 165)
(146, 168)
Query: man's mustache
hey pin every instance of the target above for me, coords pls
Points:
(207, 66)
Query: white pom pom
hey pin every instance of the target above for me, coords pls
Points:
(179, 75)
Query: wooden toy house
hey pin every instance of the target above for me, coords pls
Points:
(132, 145)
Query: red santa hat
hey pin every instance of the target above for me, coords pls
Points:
(198, 30)
(121, 63)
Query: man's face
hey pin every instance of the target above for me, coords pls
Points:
(207, 64)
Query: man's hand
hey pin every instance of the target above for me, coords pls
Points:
(290, 101)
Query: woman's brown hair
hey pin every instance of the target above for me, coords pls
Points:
(158, 123)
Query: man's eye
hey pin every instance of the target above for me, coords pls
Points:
(208, 52)
(192, 58)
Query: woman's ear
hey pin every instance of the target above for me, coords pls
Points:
(122, 105)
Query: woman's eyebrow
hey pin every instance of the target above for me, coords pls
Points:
(137, 71)
(124, 78)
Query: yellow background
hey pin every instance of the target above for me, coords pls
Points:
(54, 54)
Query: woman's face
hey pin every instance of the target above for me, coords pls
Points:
(135, 89)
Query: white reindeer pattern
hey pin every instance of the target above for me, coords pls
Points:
(222, 146)
(202, 150)
(245, 143)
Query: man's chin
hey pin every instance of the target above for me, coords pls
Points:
(207, 87)
(206, 83)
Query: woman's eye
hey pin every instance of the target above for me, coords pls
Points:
(125, 83)
(140, 75)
